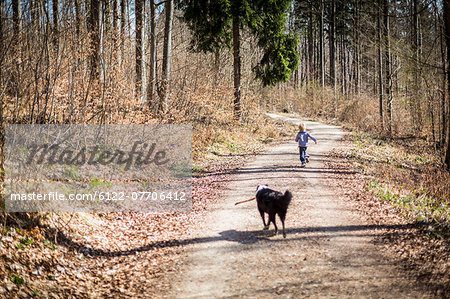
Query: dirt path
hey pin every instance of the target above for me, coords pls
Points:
(327, 252)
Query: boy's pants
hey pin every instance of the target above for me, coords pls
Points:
(303, 154)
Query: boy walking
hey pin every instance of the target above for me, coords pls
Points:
(302, 139)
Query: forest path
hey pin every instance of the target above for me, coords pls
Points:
(328, 250)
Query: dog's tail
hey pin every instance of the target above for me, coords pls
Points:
(286, 199)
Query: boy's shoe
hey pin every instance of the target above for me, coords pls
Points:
(303, 165)
(307, 159)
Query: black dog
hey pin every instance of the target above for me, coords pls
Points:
(272, 202)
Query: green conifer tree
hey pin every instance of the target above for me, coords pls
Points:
(216, 25)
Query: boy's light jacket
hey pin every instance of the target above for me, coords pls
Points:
(302, 138)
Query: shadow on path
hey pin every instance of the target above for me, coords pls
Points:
(242, 237)
(227, 171)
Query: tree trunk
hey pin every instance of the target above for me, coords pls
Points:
(123, 17)
(310, 63)
(115, 12)
(114, 33)
(108, 17)
(95, 38)
(344, 66)
(139, 32)
(387, 55)
(447, 42)
(237, 68)
(444, 115)
(16, 16)
(1, 58)
(77, 47)
(34, 8)
(357, 47)
(167, 52)
(321, 47)
(55, 25)
(2, 128)
(152, 74)
(78, 18)
(332, 46)
(380, 67)
(123, 22)
(416, 109)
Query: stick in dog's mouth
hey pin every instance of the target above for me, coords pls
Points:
(239, 202)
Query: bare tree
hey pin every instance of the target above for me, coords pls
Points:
(107, 17)
(123, 22)
(2, 130)
(332, 50)
(16, 17)
(2, 54)
(444, 112)
(237, 67)
(93, 27)
(447, 42)
(387, 59)
(55, 5)
(310, 64)
(321, 45)
(139, 46)
(380, 65)
(167, 52)
(357, 50)
(78, 17)
(115, 12)
(415, 104)
(152, 73)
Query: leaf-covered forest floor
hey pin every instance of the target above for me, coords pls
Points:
(124, 255)
(112, 254)
(119, 255)
(422, 248)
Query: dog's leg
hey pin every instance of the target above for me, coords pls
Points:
(282, 218)
(266, 227)
(272, 219)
